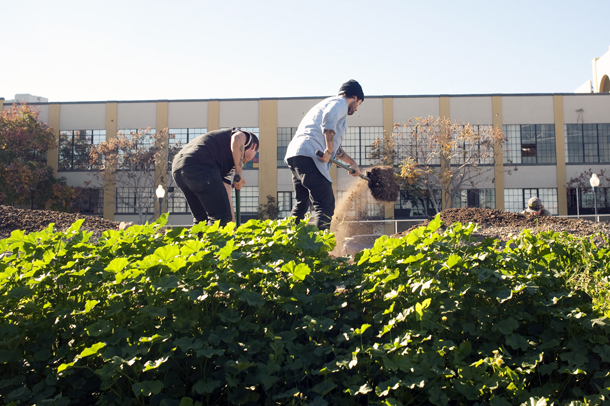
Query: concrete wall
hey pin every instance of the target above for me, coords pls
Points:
(89, 116)
(188, 114)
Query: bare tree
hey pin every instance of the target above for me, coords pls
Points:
(440, 154)
(137, 162)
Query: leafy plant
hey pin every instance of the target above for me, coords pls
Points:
(264, 315)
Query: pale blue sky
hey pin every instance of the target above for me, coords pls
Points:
(89, 50)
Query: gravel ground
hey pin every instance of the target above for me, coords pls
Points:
(36, 220)
(492, 223)
(501, 225)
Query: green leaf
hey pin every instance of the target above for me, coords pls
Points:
(324, 387)
(504, 295)
(207, 386)
(98, 328)
(299, 272)
(117, 265)
(154, 364)
(453, 260)
(506, 326)
(92, 350)
(227, 250)
(147, 388)
(516, 341)
(90, 305)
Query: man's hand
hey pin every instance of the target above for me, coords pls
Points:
(238, 182)
(326, 156)
(356, 168)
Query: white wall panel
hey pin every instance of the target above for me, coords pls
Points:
(473, 110)
(88, 116)
(406, 108)
(136, 115)
(239, 113)
(290, 112)
(188, 114)
(596, 109)
(527, 110)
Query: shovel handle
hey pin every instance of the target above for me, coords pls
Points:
(342, 165)
(237, 178)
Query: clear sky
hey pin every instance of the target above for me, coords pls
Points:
(90, 50)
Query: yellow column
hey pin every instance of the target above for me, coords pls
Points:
(388, 128)
(1, 103)
(496, 111)
(562, 198)
(213, 115)
(53, 154)
(267, 166)
(109, 173)
(444, 114)
(161, 161)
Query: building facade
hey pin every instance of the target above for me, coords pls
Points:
(551, 139)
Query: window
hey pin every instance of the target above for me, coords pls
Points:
(131, 200)
(408, 206)
(582, 201)
(91, 201)
(530, 144)
(248, 199)
(74, 148)
(285, 202)
(357, 143)
(409, 141)
(515, 200)
(176, 202)
(179, 137)
(137, 149)
(588, 143)
(284, 136)
(482, 198)
(472, 150)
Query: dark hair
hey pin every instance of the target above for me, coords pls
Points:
(252, 140)
(351, 88)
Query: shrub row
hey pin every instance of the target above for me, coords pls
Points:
(264, 315)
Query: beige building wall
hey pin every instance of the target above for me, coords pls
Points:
(595, 109)
(239, 113)
(134, 115)
(109, 179)
(89, 116)
(290, 112)
(405, 108)
(527, 110)
(471, 110)
(601, 74)
(496, 111)
(187, 114)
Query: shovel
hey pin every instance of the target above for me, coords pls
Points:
(342, 165)
(237, 178)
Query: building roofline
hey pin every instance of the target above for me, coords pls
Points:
(420, 96)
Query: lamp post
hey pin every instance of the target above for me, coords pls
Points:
(594, 184)
(160, 192)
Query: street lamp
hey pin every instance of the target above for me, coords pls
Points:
(594, 184)
(160, 192)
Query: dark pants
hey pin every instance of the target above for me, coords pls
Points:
(311, 186)
(205, 193)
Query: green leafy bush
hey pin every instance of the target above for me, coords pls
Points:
(263, 315)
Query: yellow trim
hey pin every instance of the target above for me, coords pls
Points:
(496, 111)
(267, 163)
(161, 163)
(444, 113)
(213, 115)
(562, 198)
(388, 128)
(109, 178)
(53, 154)
(1, 104)
(595, 81)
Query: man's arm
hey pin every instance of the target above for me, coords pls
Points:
(238, 142)
(329, 136)
(342, 155)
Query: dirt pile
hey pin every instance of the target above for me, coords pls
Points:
(500, 224)
(36, 220)
(383, 184)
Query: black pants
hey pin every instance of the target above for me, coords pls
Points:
(205, 193)
(311, 186)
